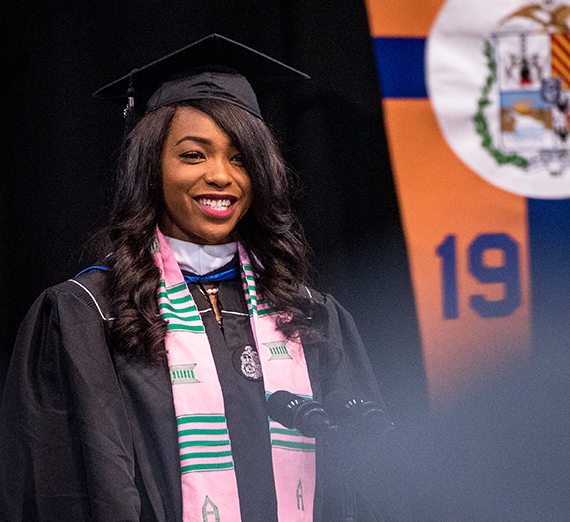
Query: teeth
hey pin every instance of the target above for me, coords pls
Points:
(216, 204)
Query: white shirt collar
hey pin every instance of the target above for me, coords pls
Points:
(201, 259)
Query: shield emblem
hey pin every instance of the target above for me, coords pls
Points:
(534, 78)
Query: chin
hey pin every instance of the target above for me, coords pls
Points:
(216, 239)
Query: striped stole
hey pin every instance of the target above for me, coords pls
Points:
(209, 487)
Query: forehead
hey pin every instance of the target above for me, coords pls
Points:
(189, 121)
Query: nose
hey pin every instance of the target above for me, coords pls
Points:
(219, 174)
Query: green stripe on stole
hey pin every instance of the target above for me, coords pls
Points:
(181, 312)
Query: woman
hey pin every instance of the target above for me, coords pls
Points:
(137, 389)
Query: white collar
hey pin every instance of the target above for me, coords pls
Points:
(201, 259)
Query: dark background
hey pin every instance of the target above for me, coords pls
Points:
(58, 147)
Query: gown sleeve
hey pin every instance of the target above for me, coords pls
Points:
(66, 452)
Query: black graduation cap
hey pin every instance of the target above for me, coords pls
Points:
(214, 67)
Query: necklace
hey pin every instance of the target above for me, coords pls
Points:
(212, 296)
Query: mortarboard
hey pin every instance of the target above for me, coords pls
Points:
(214, 67)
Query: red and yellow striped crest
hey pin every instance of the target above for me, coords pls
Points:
(560, 58)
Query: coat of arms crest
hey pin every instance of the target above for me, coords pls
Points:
(512, 60)
(531, 68)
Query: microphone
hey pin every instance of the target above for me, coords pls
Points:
(346, 409)
(295, 412)
(353, 418)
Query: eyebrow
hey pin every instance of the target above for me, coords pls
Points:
(197, 139)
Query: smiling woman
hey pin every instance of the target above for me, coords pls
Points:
(137, 389)
(206, 187)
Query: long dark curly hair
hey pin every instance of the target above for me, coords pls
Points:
(269, 230)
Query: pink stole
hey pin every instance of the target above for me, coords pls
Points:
(209, 488)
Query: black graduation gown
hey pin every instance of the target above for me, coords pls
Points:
(87, 433)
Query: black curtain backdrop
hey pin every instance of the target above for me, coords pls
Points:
(58, 146)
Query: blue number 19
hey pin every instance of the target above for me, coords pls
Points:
(507, 274)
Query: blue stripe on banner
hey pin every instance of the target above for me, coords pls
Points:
(400, 63)
(549, 241)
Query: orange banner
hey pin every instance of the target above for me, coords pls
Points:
(467, 239)
(441, 198)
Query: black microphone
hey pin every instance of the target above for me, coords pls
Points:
(346, 409)
(295, 412)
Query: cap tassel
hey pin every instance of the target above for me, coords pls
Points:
(129, 111)
(130, 102)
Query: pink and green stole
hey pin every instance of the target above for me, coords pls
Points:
(209, 487)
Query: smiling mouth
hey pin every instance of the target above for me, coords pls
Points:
(216, 204)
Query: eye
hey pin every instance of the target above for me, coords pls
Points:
(237, 160)
(192, 156)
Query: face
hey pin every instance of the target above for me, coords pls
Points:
(206, 188)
